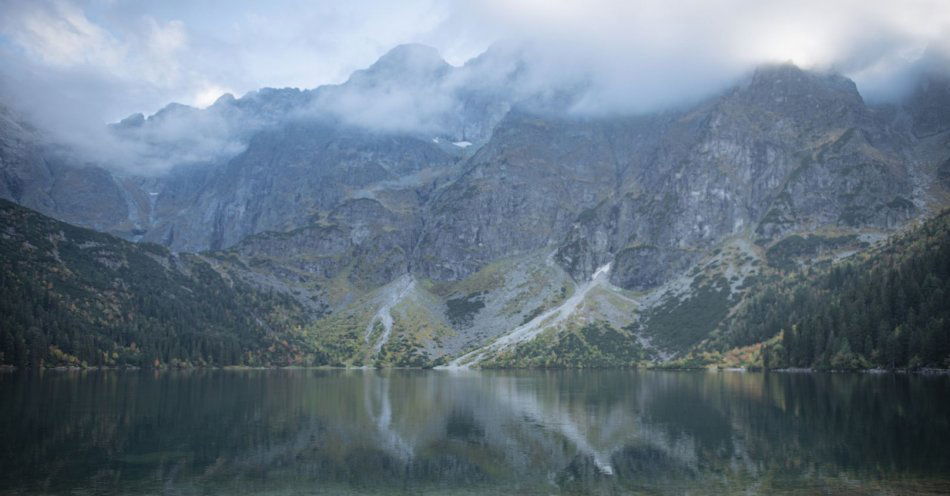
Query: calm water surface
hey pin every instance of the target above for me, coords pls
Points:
(438, 432)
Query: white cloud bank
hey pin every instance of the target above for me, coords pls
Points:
(72, 65)
(651, 53)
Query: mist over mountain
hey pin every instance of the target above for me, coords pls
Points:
(549, 193)
(425, 213)
(372, 247)
(105, 62)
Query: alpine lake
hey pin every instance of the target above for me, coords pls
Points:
(609, 432)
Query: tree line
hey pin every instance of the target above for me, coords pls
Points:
(74, 297)
(887, 308)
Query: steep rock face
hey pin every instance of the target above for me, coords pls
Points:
(360, 240)
(43, 177)
(483, 211)
(270, 160)
(928, 108)
(24, 175)
(929, 105)
(91, 196)
(787, 151)
(284, 179)
(784, 151)
(519, 193)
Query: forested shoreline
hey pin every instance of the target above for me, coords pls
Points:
(74, 298)
(887, 308)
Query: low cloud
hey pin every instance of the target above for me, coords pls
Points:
(73, 65)
(641, 56)
(408, 89)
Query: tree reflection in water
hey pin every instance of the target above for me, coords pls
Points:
(470, 432)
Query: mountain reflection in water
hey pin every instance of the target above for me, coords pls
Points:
(471, 432)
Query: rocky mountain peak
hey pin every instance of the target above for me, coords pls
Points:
(788, 89)
(417, 170)
(173, 111)
(132, 121)
(225, 99)
(410, 55)
(410, 62)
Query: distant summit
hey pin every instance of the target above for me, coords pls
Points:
(410, 63)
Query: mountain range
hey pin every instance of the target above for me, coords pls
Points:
(424, 214)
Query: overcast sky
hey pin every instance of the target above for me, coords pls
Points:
(100, 60)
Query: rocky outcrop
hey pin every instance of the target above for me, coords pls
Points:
(42, 176)
(786, 151)
(285, 178)
(929, 105)
(478, 170)
(520, 192)
(360, 240)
